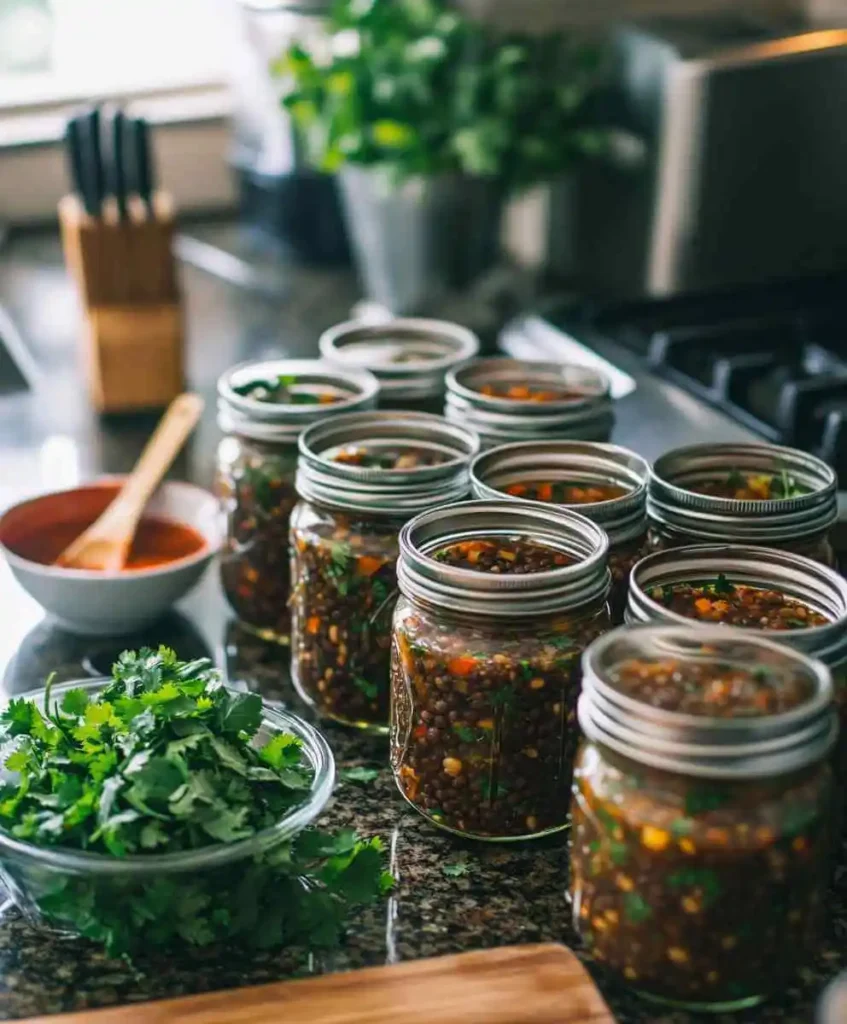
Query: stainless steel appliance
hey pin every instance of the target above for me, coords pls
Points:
(743, 175)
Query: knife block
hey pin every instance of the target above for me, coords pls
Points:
(125, 273)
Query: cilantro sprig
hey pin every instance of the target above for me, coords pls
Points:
(161, 760)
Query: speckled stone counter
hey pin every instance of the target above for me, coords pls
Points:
(501, 895)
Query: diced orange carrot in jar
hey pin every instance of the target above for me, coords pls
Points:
(313, 624)
(462, 666)
(367, 565)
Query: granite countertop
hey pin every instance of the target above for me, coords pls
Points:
(507, 894)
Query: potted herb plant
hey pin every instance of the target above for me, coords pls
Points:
(432, 119)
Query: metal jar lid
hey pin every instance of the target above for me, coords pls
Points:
(814, 584)
(623, 518)
(421, 577)
(408, 356)
(395, 492)
(501, 420)
(746, 747)
(273, 421)
(671, 503)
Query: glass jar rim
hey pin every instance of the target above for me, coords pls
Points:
(384, 492)
(271, 421)
(584, 582)
(799, 577)
(451, 343)
(671, 503)
(709, 747)
(623, 518)
(315, 748)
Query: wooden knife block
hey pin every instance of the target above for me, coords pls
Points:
(126, 277)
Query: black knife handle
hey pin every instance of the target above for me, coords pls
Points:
(93, 151)
(142, 161)
(117, 161)
(74, 145)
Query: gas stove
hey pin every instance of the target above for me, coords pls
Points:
(771, 362)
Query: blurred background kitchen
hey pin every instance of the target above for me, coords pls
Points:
(654, 184)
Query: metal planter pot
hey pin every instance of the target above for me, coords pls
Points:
(420, 239)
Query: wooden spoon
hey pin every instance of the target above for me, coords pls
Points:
(106, 543)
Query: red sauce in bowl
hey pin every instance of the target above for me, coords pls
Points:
(49, 524)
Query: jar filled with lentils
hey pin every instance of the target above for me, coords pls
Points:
(792, 599)
(262, 407)
(758, 494)
(499, 599)
(507, 400)
(360, 478)
(607, 484)
(408, 356)
(702, 832)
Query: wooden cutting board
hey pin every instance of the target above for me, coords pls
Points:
(543, 984)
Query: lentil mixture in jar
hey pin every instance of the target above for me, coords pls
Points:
(408, 356)
(511, 400)
(604, 482)
(757, 494)
(360, 478)
(735, 604)
(702, 834)
(262, 408)
(498, 602)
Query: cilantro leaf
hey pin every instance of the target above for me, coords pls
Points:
(359, 773)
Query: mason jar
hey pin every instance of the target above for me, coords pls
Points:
(758, 494)
(607, 484)
(262, 407)
(498, 601)
(507, 400)
(360, 478)
(702, 835)
(794, 600)
(408, 356)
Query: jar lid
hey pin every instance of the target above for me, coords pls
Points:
(628, 702)
(623, 518)
(420, 576)
(583, 414)
(408, 356)
(238, 413)
(433, 455)
(817, 586)
(673, 502)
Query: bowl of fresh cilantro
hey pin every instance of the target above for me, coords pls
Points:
(159, 808)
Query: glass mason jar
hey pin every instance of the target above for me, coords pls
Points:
(747, 585)
(262, 407)
(507, 400)
(702, 838)
(360, 478)
(758, 494)
(607, 484)
(408, 356)
(499, 599)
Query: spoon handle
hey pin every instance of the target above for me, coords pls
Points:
(159, 452)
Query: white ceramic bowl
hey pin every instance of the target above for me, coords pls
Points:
(112, 604)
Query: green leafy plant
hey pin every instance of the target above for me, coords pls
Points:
(415, 86)
(163, 760)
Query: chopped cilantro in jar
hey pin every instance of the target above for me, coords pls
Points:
(701, 845)
(759, 494)
(262, 409)
(344, 549)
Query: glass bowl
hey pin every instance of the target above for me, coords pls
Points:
(220, 892)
